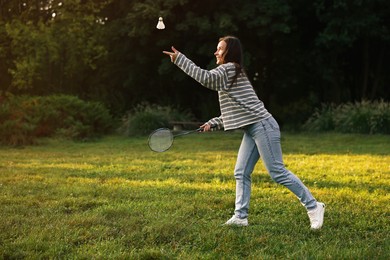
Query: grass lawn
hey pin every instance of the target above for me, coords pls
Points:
(115, 199)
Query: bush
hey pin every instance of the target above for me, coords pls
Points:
(322, 119)
(366, 117)
(25, 118)
(145, 118)
(292, 115)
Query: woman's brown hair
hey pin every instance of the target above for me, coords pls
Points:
(234, 54)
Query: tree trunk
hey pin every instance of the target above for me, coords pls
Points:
(366, 69)
(378, 71)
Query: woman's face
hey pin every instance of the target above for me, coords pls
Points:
(220, 52)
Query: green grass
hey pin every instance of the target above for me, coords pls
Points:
(115, 199)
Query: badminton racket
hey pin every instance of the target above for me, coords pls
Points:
(161, 140)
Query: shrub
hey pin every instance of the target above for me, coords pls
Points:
(365, 117)
(145, 118)
(26, 118)
(322, 119)
(292, 115)
(353, 117)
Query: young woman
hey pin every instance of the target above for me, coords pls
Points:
(241, 108)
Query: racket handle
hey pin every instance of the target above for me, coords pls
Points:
(200, 129)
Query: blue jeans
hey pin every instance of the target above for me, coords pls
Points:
(262, 140)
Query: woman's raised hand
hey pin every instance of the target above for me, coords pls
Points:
(172, 55)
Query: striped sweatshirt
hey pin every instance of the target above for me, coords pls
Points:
(238, 101)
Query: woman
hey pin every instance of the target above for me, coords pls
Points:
(241, 108)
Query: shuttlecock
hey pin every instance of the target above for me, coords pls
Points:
(160, 24)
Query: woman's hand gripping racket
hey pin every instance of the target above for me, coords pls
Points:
(161, 140)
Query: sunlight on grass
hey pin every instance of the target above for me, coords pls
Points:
(116, 199)
(346, 169)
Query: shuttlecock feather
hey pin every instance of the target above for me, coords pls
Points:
(160, 24)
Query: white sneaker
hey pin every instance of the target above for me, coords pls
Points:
(316, 216)
(235, 221)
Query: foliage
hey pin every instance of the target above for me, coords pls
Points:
(360, 117)
(145, 118)
(330, 51)
(25, 118)
(48, 54)
(353, 42)
(115, 199)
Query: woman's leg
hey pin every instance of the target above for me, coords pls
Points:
(247, 158)
(266, 134)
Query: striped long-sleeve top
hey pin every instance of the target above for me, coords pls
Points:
(238, 101)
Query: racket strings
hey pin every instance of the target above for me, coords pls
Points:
(161, 140)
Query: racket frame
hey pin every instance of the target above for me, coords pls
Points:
(172, 137)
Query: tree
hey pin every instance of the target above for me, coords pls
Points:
(53, 46)
(194, 29)
(352, 47)
(298, 53)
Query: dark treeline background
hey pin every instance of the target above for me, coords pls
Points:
(298, 53)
